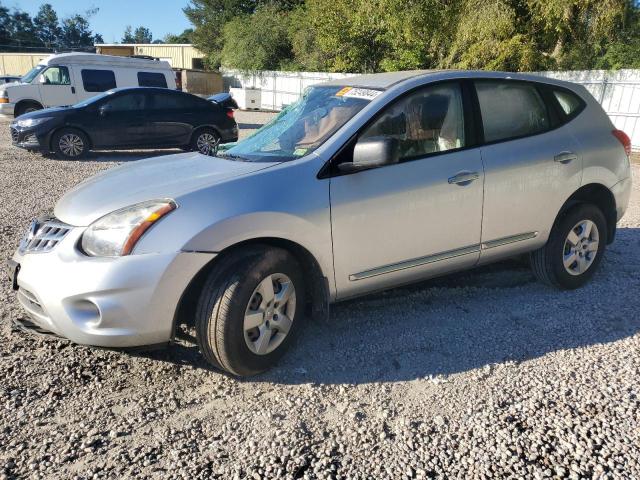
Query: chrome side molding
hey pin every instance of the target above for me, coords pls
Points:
(416, 262)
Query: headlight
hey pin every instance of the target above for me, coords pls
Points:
(117, 233)
(32, 122)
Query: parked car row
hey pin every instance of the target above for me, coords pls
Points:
(142, 117)
(69, 78)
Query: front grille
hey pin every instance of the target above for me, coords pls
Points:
(43, 235)
(14, 135)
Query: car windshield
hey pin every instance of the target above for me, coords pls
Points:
(33, 73)
(302, 127)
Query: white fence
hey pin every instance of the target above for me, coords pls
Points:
(618, 92)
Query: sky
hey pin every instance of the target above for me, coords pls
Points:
(159, 16)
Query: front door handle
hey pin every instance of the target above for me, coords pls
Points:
(464, 178)
(565, 157)
(73, 89)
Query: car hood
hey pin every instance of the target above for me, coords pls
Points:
(43, 113)
(160, 177)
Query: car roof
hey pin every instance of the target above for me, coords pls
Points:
(84, 58)
(383, 81)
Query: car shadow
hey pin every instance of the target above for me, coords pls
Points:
(490, 315)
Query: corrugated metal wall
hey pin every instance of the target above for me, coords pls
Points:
(19, 63)
(179, 56)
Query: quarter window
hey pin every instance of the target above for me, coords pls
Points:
(56, 76)
(152, 79)
(98, 80)
(427, 121)
(511, 110)
(569, 102)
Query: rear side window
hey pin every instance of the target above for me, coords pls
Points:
(570, 103)
(152, 79)
(177, 101)
(98, 80)
(127, 102)
(511, 110)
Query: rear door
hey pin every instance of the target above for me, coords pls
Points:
(173, 115)
(532, 165)
(56, 89)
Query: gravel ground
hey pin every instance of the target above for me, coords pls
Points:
(482, 374)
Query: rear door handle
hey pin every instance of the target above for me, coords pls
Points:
(464, 178)
(73, 89)
(565, 157)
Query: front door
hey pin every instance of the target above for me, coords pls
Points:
(417, 218)
(120, 121)
(55, 87)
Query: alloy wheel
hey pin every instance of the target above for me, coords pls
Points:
(71, 144)
(207, 143)
(269, 314)
(581, 247)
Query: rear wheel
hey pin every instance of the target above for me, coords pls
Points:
(206, 141)
(250, 309)
(574, 249)
(70, 144)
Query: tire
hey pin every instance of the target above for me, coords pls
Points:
(579, 252)
(27, 108)
(205, 141)
(239, 328)
(70, 144)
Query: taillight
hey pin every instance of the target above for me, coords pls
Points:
(229, 112)
(624, 139)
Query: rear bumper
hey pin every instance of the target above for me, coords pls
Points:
(108, 302)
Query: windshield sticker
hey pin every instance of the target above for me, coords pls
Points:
(363, 93)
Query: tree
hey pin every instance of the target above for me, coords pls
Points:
(259, 41)
(76, 32)
(47, 26)
(140, 35)
(185, 37)
(5, 27)
(23, 32)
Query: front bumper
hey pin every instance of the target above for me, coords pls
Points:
(27, 138)
(108, 302)
(7, 108)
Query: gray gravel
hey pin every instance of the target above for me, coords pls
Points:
(482, 374)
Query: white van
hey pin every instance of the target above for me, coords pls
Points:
(69, 78)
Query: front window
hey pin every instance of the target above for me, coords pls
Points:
(56, 76)
(33, 73)
(302, 127)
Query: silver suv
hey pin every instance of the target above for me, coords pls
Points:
(364, 184)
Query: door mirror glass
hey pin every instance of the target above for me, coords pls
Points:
(372, 152)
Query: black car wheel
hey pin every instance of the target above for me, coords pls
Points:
(27, 108)
(70, 144)
(206, 141)
(249, 310)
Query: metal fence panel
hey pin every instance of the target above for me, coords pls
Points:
(618, 92)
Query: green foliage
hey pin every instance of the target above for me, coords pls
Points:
(185, 37)
(20, 32)
(140, 35)
(259, 41)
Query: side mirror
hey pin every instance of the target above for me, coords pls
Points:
(104, 110)
(42, 80)
(371, 153)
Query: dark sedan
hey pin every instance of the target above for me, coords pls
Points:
(128, 118)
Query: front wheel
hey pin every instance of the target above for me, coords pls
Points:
(70, 144)
(574, 250)
(249, 310)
